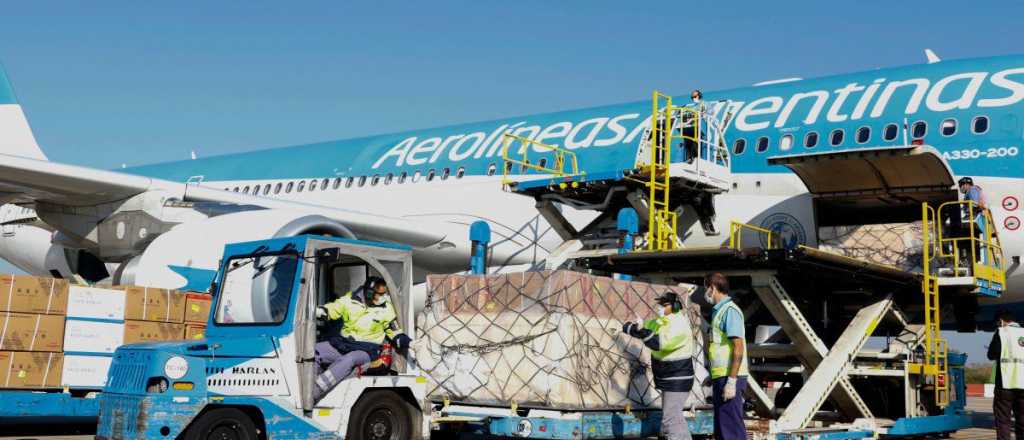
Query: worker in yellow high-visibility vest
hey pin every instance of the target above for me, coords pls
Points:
(1007, 350)
(670, 339)
(728, 357)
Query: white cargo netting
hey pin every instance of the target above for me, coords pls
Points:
(892, 244)
(551, 339)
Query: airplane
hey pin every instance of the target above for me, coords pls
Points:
(165, 224)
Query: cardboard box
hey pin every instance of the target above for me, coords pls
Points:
(25, 332)
(195, 331)
(28, 294)
(85, 371)
(197, 308)
(92, 302)
(19, 369)
(150, 331)
(92, 336)
(151, 304)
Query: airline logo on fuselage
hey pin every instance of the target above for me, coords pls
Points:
(851, 102)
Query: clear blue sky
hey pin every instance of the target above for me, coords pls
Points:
(106, 83)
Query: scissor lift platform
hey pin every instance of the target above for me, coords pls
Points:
(827, 307)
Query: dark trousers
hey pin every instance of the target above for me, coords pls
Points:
(1008, 406)
(729, 414)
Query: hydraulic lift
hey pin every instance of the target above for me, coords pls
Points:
(857, 343)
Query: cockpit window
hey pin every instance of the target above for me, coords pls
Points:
(257, 290)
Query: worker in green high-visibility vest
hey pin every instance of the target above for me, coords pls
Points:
(670, 339)
(1007, 350)
(728, 358)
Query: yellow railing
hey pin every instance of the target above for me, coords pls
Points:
(935, 346)
(661, 220)
(981, 244)
(562, 158)
(736, 230)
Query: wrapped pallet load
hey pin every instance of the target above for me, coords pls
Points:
(551, 339)
(891, 244)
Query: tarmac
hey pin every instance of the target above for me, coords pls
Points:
(982, 407)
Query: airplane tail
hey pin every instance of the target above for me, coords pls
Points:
(16, 137)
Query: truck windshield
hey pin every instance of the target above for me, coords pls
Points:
(257, 289)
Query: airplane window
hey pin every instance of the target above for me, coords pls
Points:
(543, 162)
(863, 134)
(739, 146)
(387, 179)
(236, 189)
(312, 185)
(375, 180)
(277, 188)
(508, 167)
(948, 127)
(401, 177)
(890, 132)
(811, 139)
(444, 174)
(323, 184)
(416, 176)
(362, 181)
(786, 142)
(245, 190)
(256, 190)
(460, 172)
(336, 185)
(430, 175)
(979, 125)
(836, 137)
(762, 144)
(349, 181)
(302, 186)
(491, 169)
(266, 189)
(919, 129)
(288, 188)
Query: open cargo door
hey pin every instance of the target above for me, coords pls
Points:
(872, 185)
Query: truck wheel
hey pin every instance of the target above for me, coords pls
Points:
(223, 424)
(383, 415)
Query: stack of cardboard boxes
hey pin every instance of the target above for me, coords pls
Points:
(55, 334)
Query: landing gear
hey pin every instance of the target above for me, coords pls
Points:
(384, 415)
(223, 424)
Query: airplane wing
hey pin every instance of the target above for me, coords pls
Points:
(30, 181)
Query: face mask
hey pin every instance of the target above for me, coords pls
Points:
(707, 297)
(381, 300)
(662, 312)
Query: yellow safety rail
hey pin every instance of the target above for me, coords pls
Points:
(562, 158)
(936, 348)
(981, 243)
(736, 235)
(661, 220)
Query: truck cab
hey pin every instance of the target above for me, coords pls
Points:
(253, 376)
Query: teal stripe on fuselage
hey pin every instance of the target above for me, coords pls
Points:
(6, 91)
(605, 138)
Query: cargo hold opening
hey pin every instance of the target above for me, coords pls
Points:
(872, 185)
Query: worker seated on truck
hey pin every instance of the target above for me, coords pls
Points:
(368, 319)
(670, 339)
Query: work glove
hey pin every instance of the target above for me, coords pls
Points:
(321, 312)
(402, 342)
(730, 389)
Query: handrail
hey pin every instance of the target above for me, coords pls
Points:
(557, 169)
(950, 247)
(736, 234)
